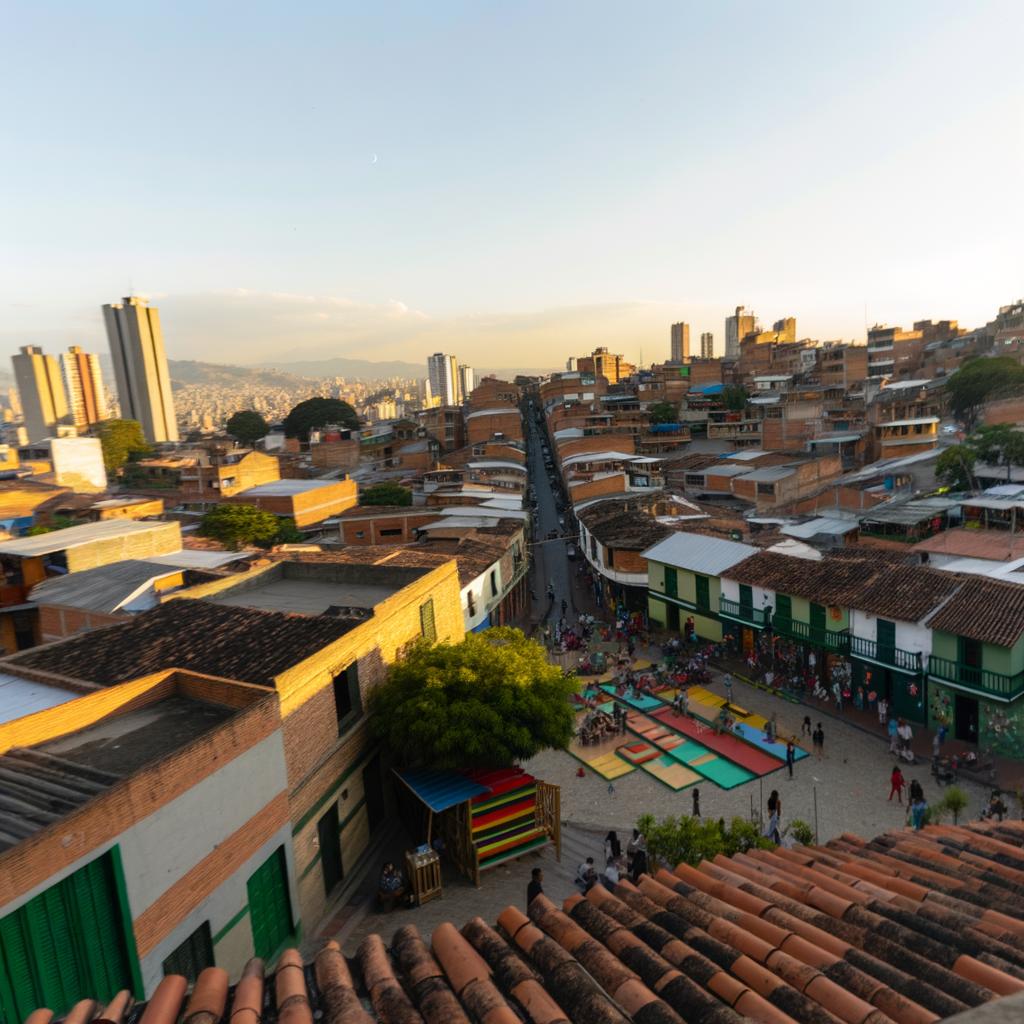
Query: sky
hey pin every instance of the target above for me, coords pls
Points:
(514, 182)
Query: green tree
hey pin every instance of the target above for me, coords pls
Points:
(734, 398)
(980, 380)
(288, 532)
(954, 800)
(663, 412)
(121, 441)
(955, 467)
(998, 445)
(689, 840)
(238, 525)
(247, 426)
(489, 701)
(386, 494)
(319, 412)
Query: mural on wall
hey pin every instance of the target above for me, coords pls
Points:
(940, 706)
(1002, 728)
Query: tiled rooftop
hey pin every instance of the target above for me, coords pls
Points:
(986, 610)
(908, 928)
(246, 644)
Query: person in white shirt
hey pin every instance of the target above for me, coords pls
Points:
(611, 873)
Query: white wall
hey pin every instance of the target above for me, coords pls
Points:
(910, 636)
(78, 463)
(762, 598)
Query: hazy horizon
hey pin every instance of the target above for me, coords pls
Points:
(331, 181)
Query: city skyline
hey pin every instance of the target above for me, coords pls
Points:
(433, 210)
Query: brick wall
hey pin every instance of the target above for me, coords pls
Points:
(587, 489)
(57, 622)
(483, 427)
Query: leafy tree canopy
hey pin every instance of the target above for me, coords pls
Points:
(998, 445)
(955, 467)
(734, 397)
(247, 426)
(239, 525)
(386, 494)
(319, 412)
(688, 840)
(121, 440)
(663, 412)
(980, 380)
(487, 702)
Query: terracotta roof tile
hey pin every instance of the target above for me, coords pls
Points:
(851, 932)
(247, 644)
(983, 609)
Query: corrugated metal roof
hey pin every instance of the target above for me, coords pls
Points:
(286, 488)
(441, 790)
(74, 536)
(20, 697)
(190, 558)
(698, 553)
(103, 589)
(823, 526)
(769, 474)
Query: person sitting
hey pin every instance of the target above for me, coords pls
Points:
(586, 876)
(391, 887)
(996, 808)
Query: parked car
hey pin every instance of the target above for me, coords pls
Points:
(570, 551)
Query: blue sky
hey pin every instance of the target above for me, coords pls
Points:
(547, 175)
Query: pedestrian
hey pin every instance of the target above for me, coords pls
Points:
(936, 744)
(696, 803)
(837, 693)
(806, 727)
(586, 876)
(640, 859)
(883, 711)
(611, 873)
(905, 733)
(536, 887)
(775, 803)
(916, 791)
(612, 846)
(790, 754)
(611, 788)
(896, 784)
(917, 812)
(772, 731)
(631, 847)
(893, 735)
(819, 742)
(727, 680)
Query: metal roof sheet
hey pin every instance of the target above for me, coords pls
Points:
(75, 536)
(441, 790)
(823, 526)
(103, 589)
(20, 697)
(194, 558)
(699, 553)
(286, 488)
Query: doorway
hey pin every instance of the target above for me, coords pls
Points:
(672, 618)
(330, 848)
(966, 720)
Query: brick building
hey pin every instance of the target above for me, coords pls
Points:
(308, 502)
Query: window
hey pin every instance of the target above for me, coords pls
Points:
(193, 955)
(593, 548)
(766, 488)
(470, 603)
(427, 627)
(494, 583)
(671, 582)
(68, 940)
(694, 479)
(347, 702)
(391, 532)
(746, 597)
(783, 606)
(360, 534)
(703, 593)
(885, 638)
(270, 907)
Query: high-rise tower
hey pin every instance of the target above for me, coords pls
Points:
(83, 378)
(41, 389)
(140, 367)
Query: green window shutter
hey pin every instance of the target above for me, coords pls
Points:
(885, 634)
(427, 627)
(703, 593)
(20, 984)
(817, 616)
(671, 582)
(269, 905)
(746, 596)
(193, 955)
(784, 606)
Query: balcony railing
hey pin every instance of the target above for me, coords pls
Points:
(980, 679)
(743, 612)
(829, 639)
(905, 661)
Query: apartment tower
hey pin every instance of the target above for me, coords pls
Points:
(707, 345)
(83, 378)
(737, 327)
(467, 381)
(443, 373)
(680, 343)
(41, 390)
(140, 367)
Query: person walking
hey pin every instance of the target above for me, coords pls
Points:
(790, 754)
(918, 809)
(819, 742)
(696, 803)
(727, 681)
(896, 784)
(837, 693)
(883, 711)
(631, 847)
(612, 846)
(775, 803)
(640, 860)
(806, 727)
(893, 728)
(536, 887)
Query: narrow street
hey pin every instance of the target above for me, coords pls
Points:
(550, 562)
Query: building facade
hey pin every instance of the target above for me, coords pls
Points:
(443, 373)
(140, 367)
(680, 351)
(707, 345)
(737, 327)
(83, 378)
(43, 402)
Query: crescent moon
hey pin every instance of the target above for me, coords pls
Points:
(373, 159)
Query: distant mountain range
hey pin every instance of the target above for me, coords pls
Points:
(189, 371)
(368, 369)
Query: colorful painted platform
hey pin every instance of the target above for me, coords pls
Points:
(672, 773)
(755, 737)
(641, 703)
(600, 757)
(749, 726)
(729, 746)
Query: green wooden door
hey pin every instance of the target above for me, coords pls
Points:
(703, 593)
(671, 582)
(64, 943)
(270, 909)
(784, 606)
(746, 600)
(885, 640)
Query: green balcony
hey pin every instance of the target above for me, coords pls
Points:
(744, 613)
(829, 639)
(871, 650)
(981, 680)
